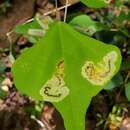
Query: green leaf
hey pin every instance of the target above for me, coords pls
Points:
(2, 67)
(86, 25)
(35, 29)
(125, 65)
(115, 82)
(38, 62)
(23, 29)
(96, 3)
(127, 90)
(1, 79)
(67, 69)
(3, 94)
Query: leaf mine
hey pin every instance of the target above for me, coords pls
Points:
(100, 73)
(55, 90)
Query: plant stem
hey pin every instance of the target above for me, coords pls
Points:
(10, 41)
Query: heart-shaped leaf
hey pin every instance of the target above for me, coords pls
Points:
(67, 69)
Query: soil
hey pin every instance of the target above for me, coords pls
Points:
(19, 12)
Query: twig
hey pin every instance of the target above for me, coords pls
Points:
(50, 12)
(57, 12)
(58, 9)
(10, 40)
(122, 88)
(66, 9)
(56, 5)
(127, 77)
(45, 14)
(42, 125)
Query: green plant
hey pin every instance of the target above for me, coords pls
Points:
(38, 72)
(67, 69)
